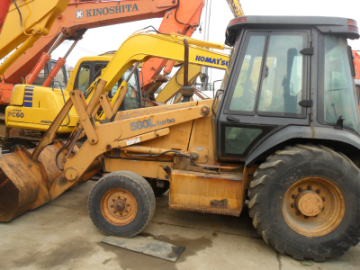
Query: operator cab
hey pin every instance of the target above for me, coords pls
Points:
(287, 74)
(90, 70)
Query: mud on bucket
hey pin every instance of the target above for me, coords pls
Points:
(24, 184)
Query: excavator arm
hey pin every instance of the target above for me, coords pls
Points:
(47, 103)
(4, 8)
(183, 20)
(164, 46)
(82, 15)
(26, 22)
(236, 8)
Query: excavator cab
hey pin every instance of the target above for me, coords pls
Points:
(88, 71)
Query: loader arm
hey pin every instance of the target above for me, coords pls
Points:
(132, 50)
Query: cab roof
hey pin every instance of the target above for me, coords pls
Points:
(333, 25)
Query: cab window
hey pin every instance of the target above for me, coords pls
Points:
(60, 76)
(83, 79)
(244, 96)
(40, 79)
(132, 98)
(339, 93)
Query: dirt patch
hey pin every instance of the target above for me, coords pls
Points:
(134, 261)
(106, 261)
(59, 255)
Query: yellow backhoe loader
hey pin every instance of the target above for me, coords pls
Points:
(282, 137)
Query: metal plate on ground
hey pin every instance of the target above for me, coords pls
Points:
(148, 246)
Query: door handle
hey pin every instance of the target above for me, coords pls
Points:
(232, 119)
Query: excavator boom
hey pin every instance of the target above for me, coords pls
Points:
(178, 16)
(4, 8)
(25, 23)
(82, 15)
(46, 103)
(236, 8)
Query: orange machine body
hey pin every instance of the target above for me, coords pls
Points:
(4, 7)
(179, 17)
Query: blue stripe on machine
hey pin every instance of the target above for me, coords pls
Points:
(28, 98)
(27, 104)
(29, 89)
(29, 94)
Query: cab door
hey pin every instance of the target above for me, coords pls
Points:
(268, 89)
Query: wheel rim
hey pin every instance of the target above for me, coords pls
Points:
(313, 207)
(118, 206)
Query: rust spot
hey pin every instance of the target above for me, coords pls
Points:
(219, 203)
(62, 181)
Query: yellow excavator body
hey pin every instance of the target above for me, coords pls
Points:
(35, 107)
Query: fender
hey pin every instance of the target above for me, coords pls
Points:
(302, 132)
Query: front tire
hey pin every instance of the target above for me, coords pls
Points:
(305, 202)
(121, 203)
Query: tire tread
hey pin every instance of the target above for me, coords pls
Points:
(263, 177)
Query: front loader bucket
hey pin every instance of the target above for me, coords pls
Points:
(25, 184)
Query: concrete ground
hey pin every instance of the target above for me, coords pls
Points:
(60, 235)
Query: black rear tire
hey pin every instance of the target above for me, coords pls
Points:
(299, 234)
(121, 203)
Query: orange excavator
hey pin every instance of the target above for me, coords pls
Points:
(357, 73)
(180, 16)
(4, 8)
